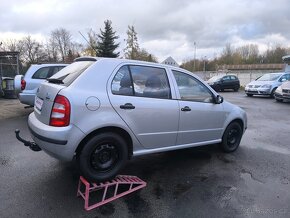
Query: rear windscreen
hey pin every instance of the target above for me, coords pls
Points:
(71, 72)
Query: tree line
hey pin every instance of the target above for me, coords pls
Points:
(247, 54)
(61, 47)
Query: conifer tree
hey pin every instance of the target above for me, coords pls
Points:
(106, 45)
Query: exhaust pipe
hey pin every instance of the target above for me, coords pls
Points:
(32, 145)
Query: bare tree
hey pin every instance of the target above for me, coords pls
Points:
(91, 47)
(32, 50)
(132, 47)
(62, 38)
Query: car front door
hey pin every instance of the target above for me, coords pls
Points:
(142, 96)
(226, 82)
(201, 120)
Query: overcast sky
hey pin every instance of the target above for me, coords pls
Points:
(165, 27)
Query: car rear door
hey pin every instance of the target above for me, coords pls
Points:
(201, 120)
(142, 96)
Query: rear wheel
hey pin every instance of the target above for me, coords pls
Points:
(232, 137)
(102, 157)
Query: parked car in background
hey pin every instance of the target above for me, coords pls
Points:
(27, 86)
(222, 82)
(283, 92)
(266, 84)
(104, 111)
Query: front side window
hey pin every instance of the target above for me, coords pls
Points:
(226, 78)
(142, 81)
(190, 89)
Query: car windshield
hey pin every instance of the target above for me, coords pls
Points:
(269, 77)
(215, 78)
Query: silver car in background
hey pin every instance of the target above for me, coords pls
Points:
(104, 111)
(27, 85)
(266, 84)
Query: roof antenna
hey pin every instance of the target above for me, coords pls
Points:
(88, 42)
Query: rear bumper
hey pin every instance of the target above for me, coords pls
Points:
(26, 98)
(58, 142)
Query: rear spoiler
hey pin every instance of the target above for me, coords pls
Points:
(85, 59)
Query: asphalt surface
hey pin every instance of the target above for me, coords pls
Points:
(254, 181)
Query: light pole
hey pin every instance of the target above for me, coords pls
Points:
(194, 43)
(204, 63)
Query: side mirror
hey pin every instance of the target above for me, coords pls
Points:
(219, 99)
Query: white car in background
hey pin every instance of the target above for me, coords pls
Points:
(26, 87)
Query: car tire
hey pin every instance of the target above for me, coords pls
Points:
(249, 95)
(232, 137)
(218, 88)
(273, 92)
(279, 100)
(102, 157)
(236, 88)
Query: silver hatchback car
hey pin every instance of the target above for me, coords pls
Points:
(104, 111)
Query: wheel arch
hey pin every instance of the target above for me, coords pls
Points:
(237, 120)
(121, 132)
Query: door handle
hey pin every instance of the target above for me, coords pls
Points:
(127, 106)
(186, 108)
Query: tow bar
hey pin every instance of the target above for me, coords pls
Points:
(32, 145)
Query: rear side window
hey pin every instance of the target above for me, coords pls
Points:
(122, 83)
(41, 73)
(233, 78)
(72, 71)
(55, 70)
(143, 81)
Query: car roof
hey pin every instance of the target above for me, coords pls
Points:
(121, 60)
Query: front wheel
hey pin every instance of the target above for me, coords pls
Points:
(102, 157)
(232, 137)
(272, 93)
(249, 95)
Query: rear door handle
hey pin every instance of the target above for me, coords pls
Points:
(127, 106)
(186, 108)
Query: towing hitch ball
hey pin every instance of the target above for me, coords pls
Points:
(32, 145)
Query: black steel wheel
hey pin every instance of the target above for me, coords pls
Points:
(102, 157)
(232, 137)
(273, 93)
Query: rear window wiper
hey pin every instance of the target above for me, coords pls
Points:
(56, 81)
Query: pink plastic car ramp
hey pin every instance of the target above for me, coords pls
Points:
(101, 193)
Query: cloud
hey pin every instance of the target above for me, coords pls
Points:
(164, 27)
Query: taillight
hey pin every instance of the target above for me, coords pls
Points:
(60, 113)
(23, 84)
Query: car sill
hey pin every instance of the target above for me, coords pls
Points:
(176, 147)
